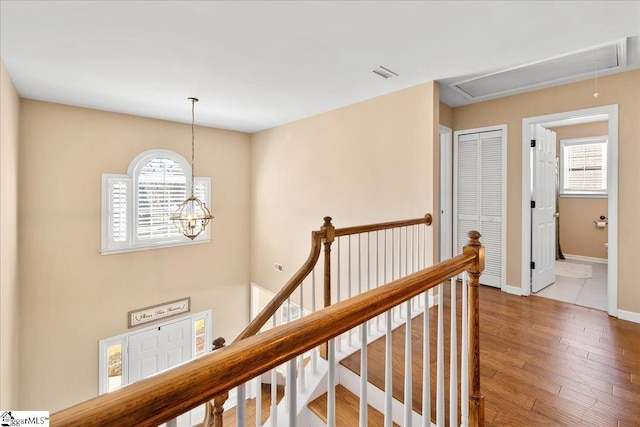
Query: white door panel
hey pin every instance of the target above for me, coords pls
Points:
(479, 198)
(159, 349)
(543, 221)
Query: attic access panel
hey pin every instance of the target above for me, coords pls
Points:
(545, 72)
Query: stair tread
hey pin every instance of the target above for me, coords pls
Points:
(347, 409)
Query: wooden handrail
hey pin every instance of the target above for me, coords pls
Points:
(167, 395)
(327, 232)
(269, 310)
(427, 220)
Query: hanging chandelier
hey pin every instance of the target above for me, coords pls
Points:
(192, 216)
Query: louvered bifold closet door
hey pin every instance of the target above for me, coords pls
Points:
(491, 206)
(467, 197)
(480, 198)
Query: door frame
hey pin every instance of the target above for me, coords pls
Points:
(123, 339)
(504, 128)
(445, 229)
(612, 184)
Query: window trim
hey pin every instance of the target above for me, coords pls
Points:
(132, 243)
(583, 194)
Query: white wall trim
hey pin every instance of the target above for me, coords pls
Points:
(514, 290)
(586, 258)
(612, 178)
(446, 194)
(631, 316)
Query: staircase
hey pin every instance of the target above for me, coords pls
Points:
(370, 305)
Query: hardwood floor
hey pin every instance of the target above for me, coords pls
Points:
(229, 415)
(543, 363)
(347, 409)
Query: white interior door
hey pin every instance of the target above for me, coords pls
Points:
(480, 195)
(543, 219)
(158, 349)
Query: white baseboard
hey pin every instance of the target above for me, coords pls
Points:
(514, 290)
(631, 316)
(586, 258)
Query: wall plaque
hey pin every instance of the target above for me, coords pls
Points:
(157, 312)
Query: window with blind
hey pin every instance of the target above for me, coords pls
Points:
(137, 206)
(583, 167)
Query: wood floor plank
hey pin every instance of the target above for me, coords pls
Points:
(543, 362)
(347, 410)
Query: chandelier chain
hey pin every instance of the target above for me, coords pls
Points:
(193, 144)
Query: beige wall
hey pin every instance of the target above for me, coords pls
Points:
(9, 290)
(578, 234)
(622, 89)
(368, 162)
(71, 295)
(446, 115)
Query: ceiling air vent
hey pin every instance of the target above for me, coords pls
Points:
(384, 72)
(545, 73)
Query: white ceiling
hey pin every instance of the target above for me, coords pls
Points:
(255, 65)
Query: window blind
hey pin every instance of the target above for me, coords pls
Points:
(585, 167)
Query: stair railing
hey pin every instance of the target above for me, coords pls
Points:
(163, 397)
(356, 259)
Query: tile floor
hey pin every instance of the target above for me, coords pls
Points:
(591, 292)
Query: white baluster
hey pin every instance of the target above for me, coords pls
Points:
(440, 360)
(426, 366)
(408, 370)
(350, 284)
(241, 407)
(338, 275)
(363, 376)
(406, 251)
(331, 386)
(258, 385)
(301, 375)
(314, 352)
(338, 284)
(370, 324)
(378, 271)
(453, 361)
(388, 380)
(291, 393)
(359, 264)
(274, 392)
(464, 380)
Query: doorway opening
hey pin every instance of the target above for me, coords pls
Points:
(597, 271)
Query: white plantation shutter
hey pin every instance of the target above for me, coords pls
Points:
(479, 196)
(162, 187)
(137, 207)
(584, 166)
(116, 202)
(119, 193)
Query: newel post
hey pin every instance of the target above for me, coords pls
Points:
(214, 411)
(329, 236)
(476, 400)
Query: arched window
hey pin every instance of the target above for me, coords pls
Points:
(136, 207)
